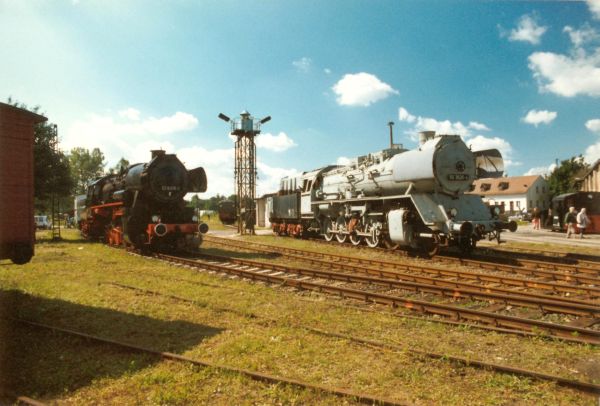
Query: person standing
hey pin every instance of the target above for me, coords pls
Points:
(582, 221)
(535, 218)
(570, 221)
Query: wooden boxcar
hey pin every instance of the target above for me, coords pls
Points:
(17, 227)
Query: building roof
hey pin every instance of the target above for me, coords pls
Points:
(36, 118)
(593, 167)
(514, 185)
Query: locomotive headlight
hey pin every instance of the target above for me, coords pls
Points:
(496, 210)
(195, 218)
(453, 212)
(155, 219)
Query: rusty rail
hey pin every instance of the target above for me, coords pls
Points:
(257, 376)
(544, 303)
(378, 267)
(585, 386)
(569, 333)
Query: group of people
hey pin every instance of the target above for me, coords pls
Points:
(572, 219)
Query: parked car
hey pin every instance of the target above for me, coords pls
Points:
(42, 222)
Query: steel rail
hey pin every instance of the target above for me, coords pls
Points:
(584, 386)
(257, 376)
(437, 271)
(593, 260)
(492, 263)
(544, 303)
(480, 260)
(572, 333)
(572, 383)
(541, 263)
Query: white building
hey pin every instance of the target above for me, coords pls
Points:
(516, 193)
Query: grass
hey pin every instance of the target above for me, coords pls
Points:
(246, 325)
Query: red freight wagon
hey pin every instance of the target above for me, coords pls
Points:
(17, 228)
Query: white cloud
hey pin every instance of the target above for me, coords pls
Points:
(537, 117)
(541, 170)
(527, 30)
(432, 124)
(477, 142)
(594, 6)
(120, 136)
(592, 153)
(276, 143)
(303, 64)
(593, 125)
(404, 115)
(327, 71)
(217, 163)
(130, 113)
(361, 89)
(269, 177)
(581, 36)
(480, 143)
(474, 125)
(567, 75)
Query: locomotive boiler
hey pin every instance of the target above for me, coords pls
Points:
(396, 197)
(144, 206)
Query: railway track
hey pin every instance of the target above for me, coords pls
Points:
(455, 290)
(576, 384)
(305, 280)
(257, 376)
(588, 260)
(558, 284)
(501, 262)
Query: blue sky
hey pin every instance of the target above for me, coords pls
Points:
(128, 76)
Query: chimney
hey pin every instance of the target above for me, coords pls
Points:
(157, 152)
(425, 136)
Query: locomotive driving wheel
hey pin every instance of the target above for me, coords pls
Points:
(354, 226)
(431, 246)
(341, 228)
(328, 227)
(374, 235)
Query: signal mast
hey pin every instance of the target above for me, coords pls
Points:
(245, 129)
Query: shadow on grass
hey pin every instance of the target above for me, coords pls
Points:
(44, 364)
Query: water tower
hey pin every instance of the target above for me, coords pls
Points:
(245, 128)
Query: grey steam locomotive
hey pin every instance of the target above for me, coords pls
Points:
(395, 197)
(144, 207)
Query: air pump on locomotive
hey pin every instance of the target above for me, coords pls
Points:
(414, 198)
(144, 207)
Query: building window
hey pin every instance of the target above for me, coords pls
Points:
(537, 189)
(518, 204)
(530, 203)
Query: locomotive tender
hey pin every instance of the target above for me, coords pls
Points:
(397, 197)
(144, 207)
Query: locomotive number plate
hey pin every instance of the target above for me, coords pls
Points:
(458, 176)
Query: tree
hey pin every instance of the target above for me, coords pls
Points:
(85, 167)
(51, 173)
(120, 167)
(563, 178)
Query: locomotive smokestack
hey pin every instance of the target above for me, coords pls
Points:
(425, 136)
(391, 124)
(157, 152)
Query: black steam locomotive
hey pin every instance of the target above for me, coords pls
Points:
(143, 206)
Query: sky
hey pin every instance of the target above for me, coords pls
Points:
(129, 76)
